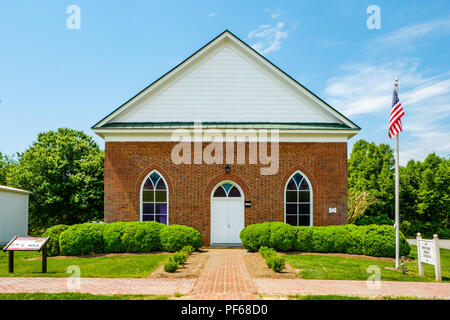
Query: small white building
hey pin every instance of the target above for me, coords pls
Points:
(13, 213)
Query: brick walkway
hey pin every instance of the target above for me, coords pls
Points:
(225, 277)
(98, 285)
(272, 287)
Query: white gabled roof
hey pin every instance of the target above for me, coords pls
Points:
(225, 82)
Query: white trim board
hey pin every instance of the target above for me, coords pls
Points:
(283, 136)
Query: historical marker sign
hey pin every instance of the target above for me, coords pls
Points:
(26, 244)
(428, 252)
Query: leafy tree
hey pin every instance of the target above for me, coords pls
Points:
(6, 163)
(370, 168)
(425, 195)
(424, 189)
(64, 170)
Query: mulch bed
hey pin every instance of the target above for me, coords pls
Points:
(191, 269)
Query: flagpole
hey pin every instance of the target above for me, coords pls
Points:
(397, 205)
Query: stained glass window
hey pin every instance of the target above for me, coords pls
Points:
(220, 193)
(298, 197)
(154, 199)
(227, 190)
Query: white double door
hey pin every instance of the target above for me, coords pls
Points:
(227, 220)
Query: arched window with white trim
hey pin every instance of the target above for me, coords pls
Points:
(298, 201)
(227, 190)
(155, 199)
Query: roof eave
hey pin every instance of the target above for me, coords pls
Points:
(184, 62)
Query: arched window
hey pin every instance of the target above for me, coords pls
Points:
(227, 190)
(154, 199)
(298, 201)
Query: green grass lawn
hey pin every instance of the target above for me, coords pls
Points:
(124, 266)
(77, 296)
(343, 268)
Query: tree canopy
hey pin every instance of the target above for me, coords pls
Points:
(371, 168)
(424, 188)
(425, 195)
(6, 163)
(64, 170)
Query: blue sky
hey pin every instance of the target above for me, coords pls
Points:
(51, 76)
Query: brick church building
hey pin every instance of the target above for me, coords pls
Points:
(223, 140)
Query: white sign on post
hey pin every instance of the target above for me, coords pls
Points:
(25, 244)
(428, 252)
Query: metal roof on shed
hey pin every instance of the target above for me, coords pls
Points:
(9, 189)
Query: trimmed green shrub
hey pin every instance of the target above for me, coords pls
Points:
(370, 240)
(256, 235)
(343, 237)
(171, 266)
(322, 239)
(94, 238)
(82, 239)
(147, 236)
(379, 241)
(142, 236)
(267, 252)
(282, 236)
(188, 249)
(355, 244)
(53, 243)
(175, 237)
(276, 263)
(112, 236)
(179, 257)
(273, 261)
(304, 236)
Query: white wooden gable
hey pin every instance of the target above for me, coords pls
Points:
(226, 81)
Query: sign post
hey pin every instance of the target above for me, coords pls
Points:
(11, 262)
(26, 244)
(428, 252)
(44, 259)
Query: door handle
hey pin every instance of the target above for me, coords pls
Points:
(228, 226)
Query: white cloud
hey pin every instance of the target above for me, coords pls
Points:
(407, 37)
(275, 14)
(212, 14)
(362, 88)
(269, 38)
(426, 138)
(365, 89)
(430, 90)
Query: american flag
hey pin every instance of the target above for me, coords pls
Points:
(395, 125)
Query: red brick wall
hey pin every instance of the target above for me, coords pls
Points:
(190, 186)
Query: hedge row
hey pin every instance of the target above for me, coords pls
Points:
(53, 242)
(273, 261)
(178, 258)
(371, 240)
(132, 237)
